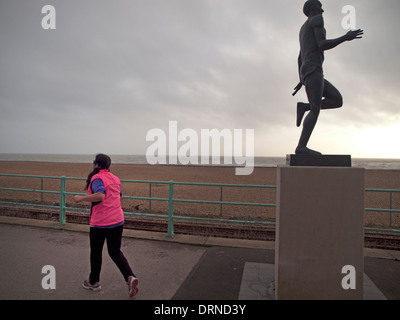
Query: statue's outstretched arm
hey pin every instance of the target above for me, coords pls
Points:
(325, 44)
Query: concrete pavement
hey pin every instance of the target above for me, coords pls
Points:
(183, 268)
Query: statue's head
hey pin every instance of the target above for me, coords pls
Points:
(312, 7)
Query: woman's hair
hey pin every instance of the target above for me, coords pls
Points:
(103, 162)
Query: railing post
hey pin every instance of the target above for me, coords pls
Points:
(390, 217)
(150, 196)
(171, 210)
(41, 188)
(62, 219)
(220, 206)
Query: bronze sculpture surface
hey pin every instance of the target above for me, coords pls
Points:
(313, 43)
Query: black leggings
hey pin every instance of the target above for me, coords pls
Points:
(97, 238)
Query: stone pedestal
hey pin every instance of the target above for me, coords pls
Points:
(320, 233)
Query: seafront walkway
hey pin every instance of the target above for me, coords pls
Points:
(181, 268)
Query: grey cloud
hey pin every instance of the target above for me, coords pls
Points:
(138, 64)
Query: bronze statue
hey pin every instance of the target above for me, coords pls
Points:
(313, 43)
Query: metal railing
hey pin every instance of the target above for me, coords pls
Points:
(171, 200)
(389, 210)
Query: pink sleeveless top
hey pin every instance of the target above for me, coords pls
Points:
(109, 211)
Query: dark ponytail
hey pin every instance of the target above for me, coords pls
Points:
(103, 162)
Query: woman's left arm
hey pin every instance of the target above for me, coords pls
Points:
(95, 197)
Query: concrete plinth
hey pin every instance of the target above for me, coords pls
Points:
(320, 230)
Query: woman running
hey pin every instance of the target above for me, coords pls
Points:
(106, 223)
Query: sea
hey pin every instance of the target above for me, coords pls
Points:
(385, 164)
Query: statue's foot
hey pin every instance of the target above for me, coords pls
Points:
(305, 150)
(301, 110)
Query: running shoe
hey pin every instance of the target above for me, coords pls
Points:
(89, 286)
(132, 286)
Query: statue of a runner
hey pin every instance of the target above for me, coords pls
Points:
(313, 43)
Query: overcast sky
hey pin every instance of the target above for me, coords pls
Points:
(113, 70)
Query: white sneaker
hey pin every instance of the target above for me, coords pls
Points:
(132, 286)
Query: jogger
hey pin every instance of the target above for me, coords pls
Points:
(106, 223)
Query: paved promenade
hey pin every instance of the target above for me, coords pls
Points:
(184, 268)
